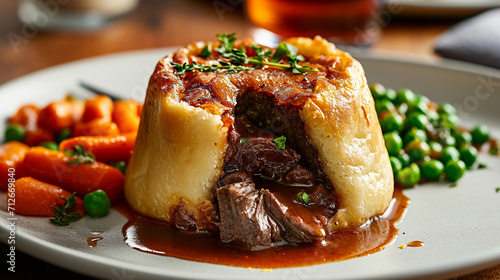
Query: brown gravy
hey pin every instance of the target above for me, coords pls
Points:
(92, 241)
(151, 236)
(415, 244)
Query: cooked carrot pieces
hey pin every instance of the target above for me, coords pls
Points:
(104, 128)
(60, 114)
(11, 154)
(35, 136)
(26, 116)
(36, 198)
(98, 108)
(97, 127)
(53, 167)
(125, 115)
(105, 148)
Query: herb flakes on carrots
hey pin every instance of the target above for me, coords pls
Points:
(80, 155)
(62, 217)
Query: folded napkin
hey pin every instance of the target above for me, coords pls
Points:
(475, 40)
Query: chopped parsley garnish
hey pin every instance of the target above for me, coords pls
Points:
(497, 190)
(244, 140)
(80, 155)
(207, 50)
(62, 217)
(280, 141)
(303, 198)
(261, 53)
(226, 42)
(482, 166)
(237, 58)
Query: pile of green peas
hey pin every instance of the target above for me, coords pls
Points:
(423, 138)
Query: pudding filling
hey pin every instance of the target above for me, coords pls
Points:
(273, 190)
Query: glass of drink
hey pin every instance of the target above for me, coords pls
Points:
(345, 22)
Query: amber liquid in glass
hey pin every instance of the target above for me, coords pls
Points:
(348, 22)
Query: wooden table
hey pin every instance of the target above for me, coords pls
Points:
(155, 24)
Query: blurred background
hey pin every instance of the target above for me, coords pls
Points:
(36, 34)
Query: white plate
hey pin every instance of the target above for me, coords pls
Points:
(440, 8)
(458, 225)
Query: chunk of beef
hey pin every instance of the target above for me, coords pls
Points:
(234, 177)
(254, 219)
(244, 221)
(297, 227)
(260, 155)
(298, 176)
(254, 151)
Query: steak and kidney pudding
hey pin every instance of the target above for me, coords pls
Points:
(262, 157)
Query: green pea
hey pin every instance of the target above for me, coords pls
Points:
(377, 90)
(446, 108)
(50, 145)
(390, 94)
(422, 98)
(464, 139)
(384, 105)
(97, 203)
(63, 135)
(449, 153)
(480, 134)
(418, 150)
(405, 96)
(468, 155)
(404, 158)
(393, 143)
(414, 134)
(392, 122)
(449, 140)
(454, 170)
(120, 165)
(417, 120)
(419, 107)
(450, 121)
(402, 109)
(433, 117)
(436, 149)
(432, 169)
(409, 176)
(395, 164)
(14, 132)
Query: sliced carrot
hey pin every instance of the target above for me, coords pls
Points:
(26, 116)
(35, 198)
(97, 127)
(54, 168)
(99, 107)
(105, 148)
(125, 115)
(11, 154)
(36, 135)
